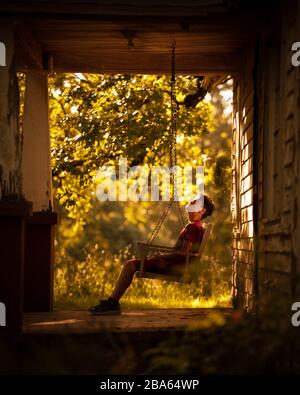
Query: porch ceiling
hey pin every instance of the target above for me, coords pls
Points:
(130, 38)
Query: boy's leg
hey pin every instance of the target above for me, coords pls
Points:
(111, 305)
(125, 278)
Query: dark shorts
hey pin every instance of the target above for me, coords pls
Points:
(164, 264)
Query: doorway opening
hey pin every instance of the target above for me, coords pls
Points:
(97, 119)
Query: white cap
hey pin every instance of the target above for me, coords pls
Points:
(196, 204)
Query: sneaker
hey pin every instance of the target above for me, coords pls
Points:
(105, 307)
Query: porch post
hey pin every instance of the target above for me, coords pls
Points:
(13, 208)
(37, 187)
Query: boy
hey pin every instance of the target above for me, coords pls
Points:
(188, 241)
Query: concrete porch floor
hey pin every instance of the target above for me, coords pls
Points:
(81, 321)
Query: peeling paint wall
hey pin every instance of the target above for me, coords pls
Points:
(10, 138)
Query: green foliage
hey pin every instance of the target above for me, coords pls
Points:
(232, 343)
(96, 119)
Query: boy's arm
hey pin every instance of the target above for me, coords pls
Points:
(186, 246)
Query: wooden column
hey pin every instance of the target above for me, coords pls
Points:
(13, 208)
(37, 187)
(36, 166)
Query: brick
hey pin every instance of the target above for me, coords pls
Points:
(248, 120)
(247, 151)
(246, 244)
(247, 136)
(247, 183)
(247, 214)
(247, 167)
(247, 198)
(247, 229)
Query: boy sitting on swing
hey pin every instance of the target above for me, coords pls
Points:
(189, 239)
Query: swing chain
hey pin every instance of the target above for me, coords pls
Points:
(173, 154)
(173, 131)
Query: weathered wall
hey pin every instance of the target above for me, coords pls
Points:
(266, 251)
(242, 197)
(10, 138)
(279, 160)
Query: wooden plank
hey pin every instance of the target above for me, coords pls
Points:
(289, 131)
(100, 45)
(287, 199)
(274, 280)
(28, 49)
(290, 104)
(228, 28)
(110, 8)
(276, 243)
(289, 152)
(145, 63)
(38, 263)
(143, 320)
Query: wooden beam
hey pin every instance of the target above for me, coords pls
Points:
(146, 63)
(29, 52)
(114, 7)
(219, 22)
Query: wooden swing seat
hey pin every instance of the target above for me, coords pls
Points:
(145, 248)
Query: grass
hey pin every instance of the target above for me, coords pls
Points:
(79, 285)
(143, 303)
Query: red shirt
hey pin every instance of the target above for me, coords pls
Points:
(193, 233)
(166, 263)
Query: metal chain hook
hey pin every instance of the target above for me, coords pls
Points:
(173, 152)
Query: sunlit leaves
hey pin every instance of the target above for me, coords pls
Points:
(95, 119)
